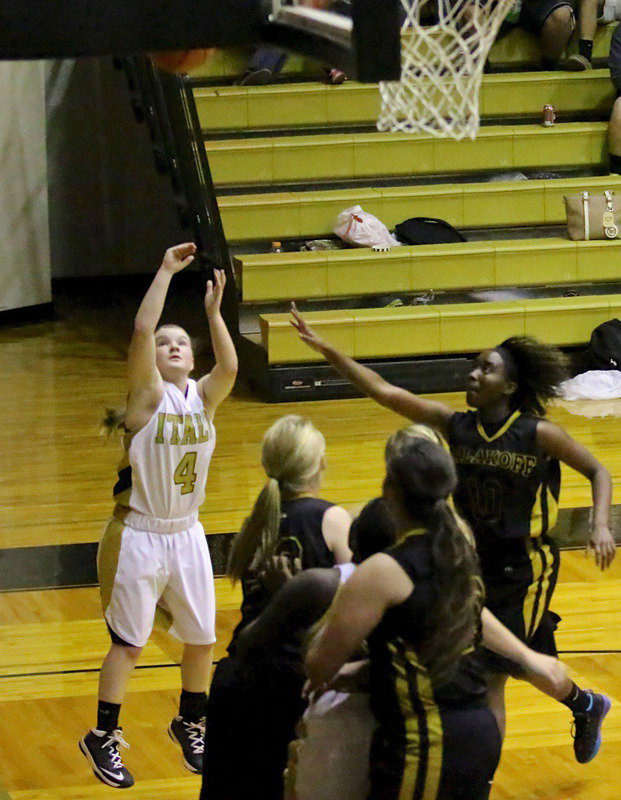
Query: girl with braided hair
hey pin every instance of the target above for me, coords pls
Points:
(507, 457)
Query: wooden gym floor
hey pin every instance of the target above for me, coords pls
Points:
(55, 490)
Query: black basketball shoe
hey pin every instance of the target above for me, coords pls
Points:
(101, 749)
(587, 728)
(190, 736)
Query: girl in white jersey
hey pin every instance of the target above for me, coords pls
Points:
(153, 554)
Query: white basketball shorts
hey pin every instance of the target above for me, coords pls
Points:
(144, 575)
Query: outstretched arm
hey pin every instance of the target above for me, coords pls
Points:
(558, 443)
(145, 382)
(216, 386)
(411, 406)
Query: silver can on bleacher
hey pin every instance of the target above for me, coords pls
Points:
(548, 116)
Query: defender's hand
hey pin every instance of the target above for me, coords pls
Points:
(178, 257)
(307, 334)
(278, 570)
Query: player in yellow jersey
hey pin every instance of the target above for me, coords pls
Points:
(153, 554)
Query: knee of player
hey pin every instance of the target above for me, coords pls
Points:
(561, 19)
(198, 650)
(130, 651)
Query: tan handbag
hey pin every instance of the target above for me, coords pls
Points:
(593, 216)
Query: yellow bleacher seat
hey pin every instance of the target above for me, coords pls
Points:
(441, 267)
(458, 328)
(368, 155)
(493, 205)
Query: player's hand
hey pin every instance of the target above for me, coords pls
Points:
(278, 570)
(312, 693)
(352, 677)
(602, 544)
(213, 294)
(307, 334)
(178, 257)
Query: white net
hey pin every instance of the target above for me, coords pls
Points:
(443, 51)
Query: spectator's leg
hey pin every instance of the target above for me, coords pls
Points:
(588, 26)
(614, 137)
(614, 126)
(587, 23)
(265, 63)
(556, 33)
(272, 58)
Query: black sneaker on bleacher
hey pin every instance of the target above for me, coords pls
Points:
(190, 736)
(101, 749)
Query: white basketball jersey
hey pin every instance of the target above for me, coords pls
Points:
(169, 458)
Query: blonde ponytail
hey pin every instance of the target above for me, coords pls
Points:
(292, 456)
(259, 532)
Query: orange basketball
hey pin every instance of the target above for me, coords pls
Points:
(181, 61)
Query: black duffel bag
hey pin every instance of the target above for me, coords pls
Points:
(604, 351)
(427, 230)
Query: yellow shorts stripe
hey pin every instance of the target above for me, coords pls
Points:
(542, 562)
(532, 591)
(434, 733)
(548, 568)
(411, 762)
(108, 560)
(163, 618)
(423, 727)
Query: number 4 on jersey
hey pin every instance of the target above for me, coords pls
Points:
(185, 475)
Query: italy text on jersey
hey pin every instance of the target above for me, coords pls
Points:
(181, 429)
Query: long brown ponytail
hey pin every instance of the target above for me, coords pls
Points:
(424, 475)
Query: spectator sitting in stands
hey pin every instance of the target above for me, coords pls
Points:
(553, 21)
(614, 127)
(267, 62)
(588, 12)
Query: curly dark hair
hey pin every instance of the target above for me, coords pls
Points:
(538, 370)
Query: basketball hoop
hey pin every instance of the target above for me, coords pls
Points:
(444, 46)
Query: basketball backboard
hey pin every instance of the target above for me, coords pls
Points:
(365, 43)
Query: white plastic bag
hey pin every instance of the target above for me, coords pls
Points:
(358, 227)
(596, 384)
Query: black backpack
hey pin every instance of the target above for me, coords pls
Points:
(427, 230)
(605, 346)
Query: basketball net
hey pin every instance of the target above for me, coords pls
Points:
(442, 67)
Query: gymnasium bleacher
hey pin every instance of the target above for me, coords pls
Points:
(288, 157)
